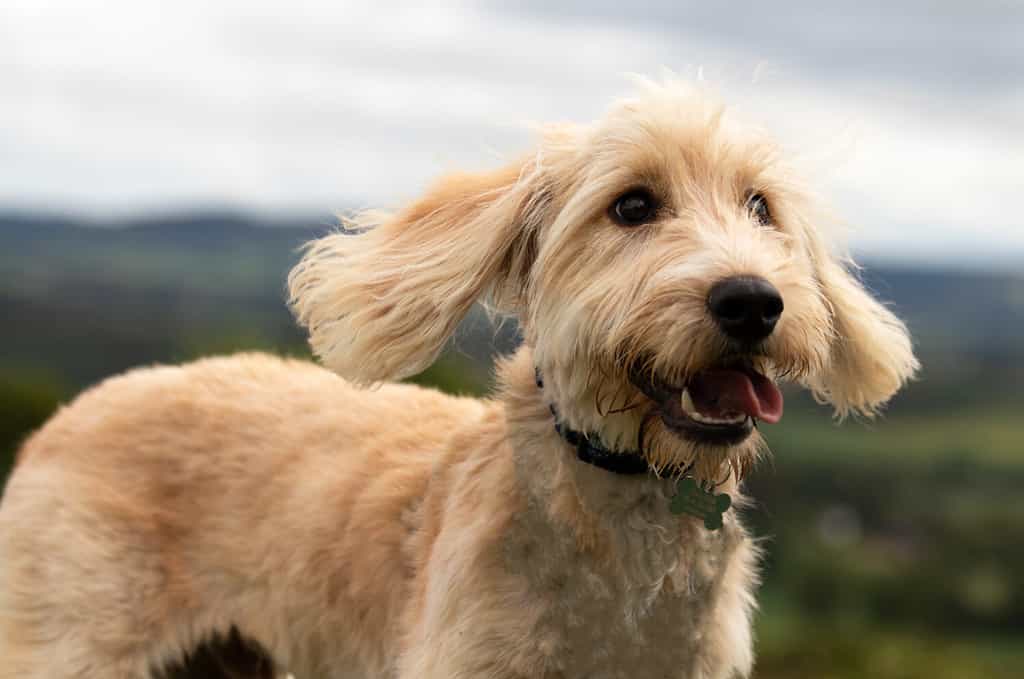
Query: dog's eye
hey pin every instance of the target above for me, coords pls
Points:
(757, 205)
(634, 208)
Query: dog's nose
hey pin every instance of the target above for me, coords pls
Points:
(746, 308)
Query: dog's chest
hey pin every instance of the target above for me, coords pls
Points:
(642, 611)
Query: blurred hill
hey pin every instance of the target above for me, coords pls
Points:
(895, 546)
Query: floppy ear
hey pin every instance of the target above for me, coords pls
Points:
(380, 299)
(871, 356)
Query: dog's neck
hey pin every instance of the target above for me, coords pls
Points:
(591, 451)
(626, 518)
(545, 401)
(538, 432)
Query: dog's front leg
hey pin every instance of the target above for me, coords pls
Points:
(470, 617)
(434, 667)
(473, 633)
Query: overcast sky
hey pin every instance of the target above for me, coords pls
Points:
(910, 115)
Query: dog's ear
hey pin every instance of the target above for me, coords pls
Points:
(871, 355)
(380, 299)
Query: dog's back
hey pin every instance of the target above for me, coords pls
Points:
(159, 508)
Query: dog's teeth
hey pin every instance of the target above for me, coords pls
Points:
(687, 403)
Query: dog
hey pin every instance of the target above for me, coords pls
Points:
(667, 269)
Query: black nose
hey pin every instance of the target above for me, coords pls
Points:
(746, 308)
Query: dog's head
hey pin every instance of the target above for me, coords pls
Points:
(664, 265)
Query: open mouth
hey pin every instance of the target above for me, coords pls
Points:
(719, 405)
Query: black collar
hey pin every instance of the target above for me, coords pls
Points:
(590, 450)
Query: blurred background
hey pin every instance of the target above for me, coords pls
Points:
(160, 162)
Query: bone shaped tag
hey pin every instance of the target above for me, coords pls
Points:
(691, 499)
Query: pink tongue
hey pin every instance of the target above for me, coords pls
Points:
(717, 393)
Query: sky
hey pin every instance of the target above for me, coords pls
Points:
(908, 116)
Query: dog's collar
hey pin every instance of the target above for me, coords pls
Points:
(692, 497)
(591, 451)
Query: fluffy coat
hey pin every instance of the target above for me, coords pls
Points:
(355, 529)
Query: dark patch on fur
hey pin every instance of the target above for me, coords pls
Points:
(223, 657)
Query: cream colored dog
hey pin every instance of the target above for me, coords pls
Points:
(666, 270)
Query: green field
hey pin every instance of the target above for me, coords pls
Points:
(895, 549)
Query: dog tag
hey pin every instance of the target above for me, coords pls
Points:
(691, 499)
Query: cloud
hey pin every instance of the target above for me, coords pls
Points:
(909, 116)
(955, 47)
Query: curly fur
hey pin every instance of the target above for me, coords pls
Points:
(398, 532)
